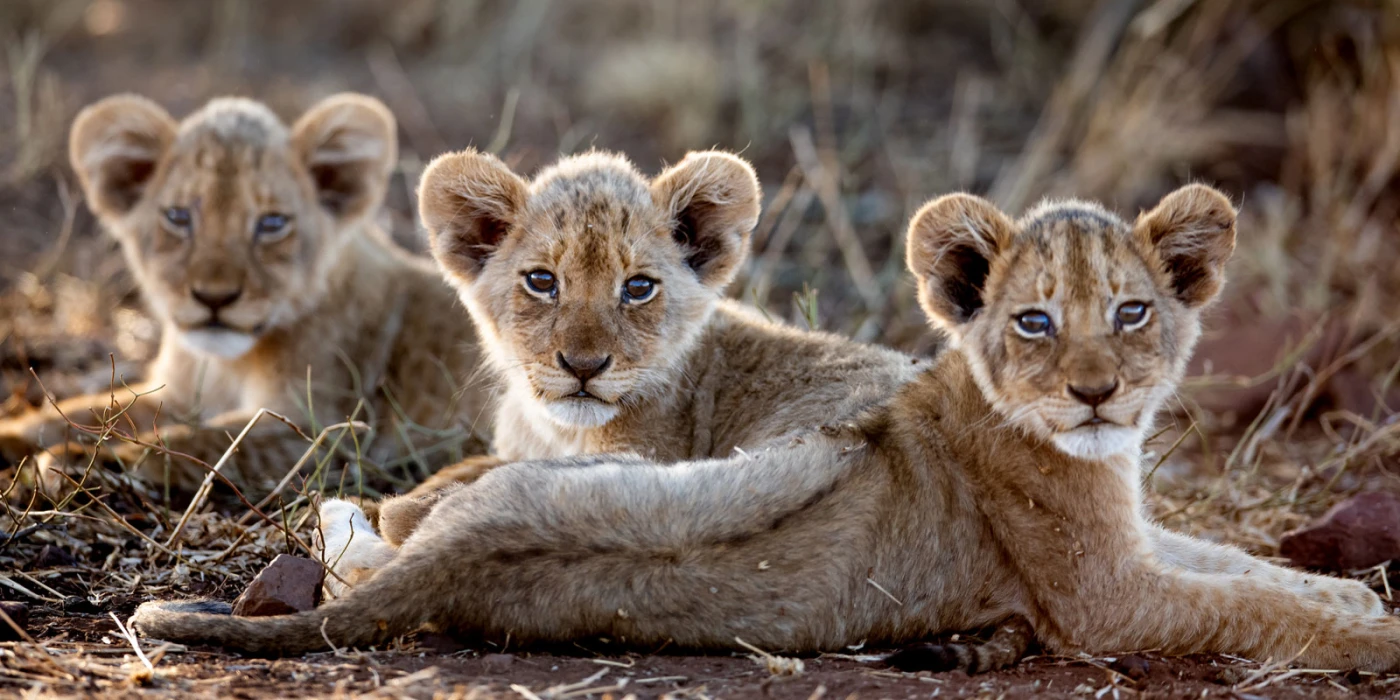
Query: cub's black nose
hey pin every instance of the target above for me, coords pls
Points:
(215, 299)
(585, 368)
(1093, 395)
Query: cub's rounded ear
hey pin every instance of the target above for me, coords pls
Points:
(468, 202)
(115, 147)
(713, 199)
(349, 144)
(1192, 233)
(952, 242)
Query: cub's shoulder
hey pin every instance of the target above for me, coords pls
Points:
(741, 328)
(758, 352)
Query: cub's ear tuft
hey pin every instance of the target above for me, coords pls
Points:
(349, 144)
(115, 146)
(469, 202)
(713, 199)
(1192, 233)
(952, 242)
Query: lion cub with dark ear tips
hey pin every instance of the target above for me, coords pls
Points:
(253, 245)
(598, 296)
(597, 293)
(999, 483)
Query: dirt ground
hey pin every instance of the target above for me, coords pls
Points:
(431, 666)
(854, 113)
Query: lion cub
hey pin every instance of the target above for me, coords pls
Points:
(253, 246)
(598, 297)
(1001, 482)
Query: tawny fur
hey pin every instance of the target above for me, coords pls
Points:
(318, 317)
(689, 375)
(948, 507)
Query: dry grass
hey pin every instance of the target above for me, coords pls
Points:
(854, 114)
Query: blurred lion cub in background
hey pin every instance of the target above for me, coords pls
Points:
(253, 245)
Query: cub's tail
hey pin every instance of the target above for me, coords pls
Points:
(369, 614)
(1007, 646)
(201, 622)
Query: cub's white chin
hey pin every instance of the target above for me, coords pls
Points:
(580, 413)
(1100, 441)
(219, 342)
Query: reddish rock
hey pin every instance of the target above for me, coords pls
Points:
(1246, 348)
(19, 613)
(1239, 348)
(288, 585)
(1357, 533)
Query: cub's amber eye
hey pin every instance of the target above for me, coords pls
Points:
(1132, 315)
(638, 289)
(179, 218)
(1035, 324)
(542, 282)
(271, 227)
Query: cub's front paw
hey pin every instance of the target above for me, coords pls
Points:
(1346, 595)
(348, 545)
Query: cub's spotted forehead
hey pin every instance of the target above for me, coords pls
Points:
(233, 123)
(1081, 249)
(590, 179)
(587, 196)
(1069, 218)
(230, 136)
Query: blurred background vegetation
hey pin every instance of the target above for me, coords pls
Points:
(854, 114)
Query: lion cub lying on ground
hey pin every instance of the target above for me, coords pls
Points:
(1001, 482)
(253, 245)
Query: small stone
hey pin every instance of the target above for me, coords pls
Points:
(288, 585)
(1357, 533)
(1132, 666)
(19, 613)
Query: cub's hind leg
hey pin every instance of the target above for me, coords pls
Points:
(645, 553)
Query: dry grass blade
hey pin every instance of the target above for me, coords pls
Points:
(776, 665)
(19, 631)
(825, 184)
(135, 646)
(306, 456)
(208, 482)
